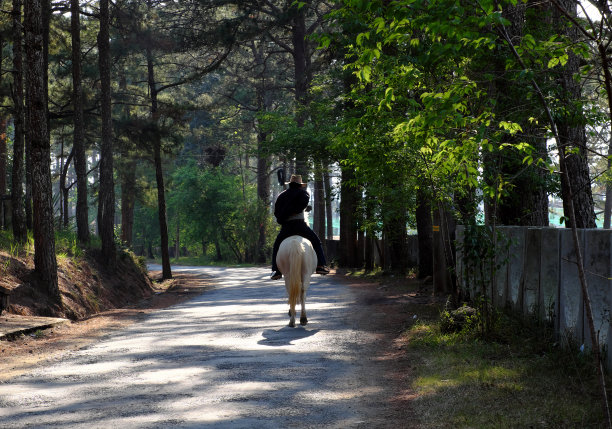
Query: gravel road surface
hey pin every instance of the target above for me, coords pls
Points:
(225, 359)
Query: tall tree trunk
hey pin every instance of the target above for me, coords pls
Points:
(61, 185)
(44, 239)
(28, 170)
(328, 205)
(526, 200)
(301, 64)
(424, 233)
(370, 235)
(178, 237)
(106, 199)
(319, 205)
(3, 152)
(263, 194)
(3, 158)
(20, 232)
(128, 199)
(80, 159)
(394, 228)
(442, 251)
(605, 65)
(159, 173)
(128, 181)
(264, 101)
(348, 221)
(573, 135)
(28, 158)
(578, 174)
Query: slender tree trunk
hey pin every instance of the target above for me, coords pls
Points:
(106, 199)
(61, 186)
(128, 199)
(161, 205)
(370, 237)
(80, 159)
(263, 194)
(328, 205)
(65, 189)
(218, 250)
(128, 182)
(178, 237)
(44, 239)
(3, 171)
(20, 232)
(159, 174)
(28, 170)
(319, 206)
(264, 101)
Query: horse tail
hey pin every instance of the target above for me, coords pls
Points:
(296, 253)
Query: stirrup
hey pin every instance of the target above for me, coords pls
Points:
(276, 275)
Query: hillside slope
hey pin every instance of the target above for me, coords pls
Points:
(86, 285)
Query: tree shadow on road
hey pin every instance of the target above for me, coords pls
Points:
(285, 336)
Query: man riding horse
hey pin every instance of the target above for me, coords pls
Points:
(289, 211)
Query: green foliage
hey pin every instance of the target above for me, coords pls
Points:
(481, 253)
(464, 319)
(66, 242)
(423, 74)
(216, 208)
(139, 261)
(287, 138)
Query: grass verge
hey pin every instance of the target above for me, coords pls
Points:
(519, 379)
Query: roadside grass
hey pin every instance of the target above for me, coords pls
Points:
(519, 378)
(67, 248)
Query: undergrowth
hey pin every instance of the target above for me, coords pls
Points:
(67, 248)
(516, 376)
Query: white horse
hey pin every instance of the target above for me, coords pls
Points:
(297, 260)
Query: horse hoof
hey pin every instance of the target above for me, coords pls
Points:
(292, 324)
(303, 320)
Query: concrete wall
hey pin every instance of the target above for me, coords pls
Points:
(538, 276)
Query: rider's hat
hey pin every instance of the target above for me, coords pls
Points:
(296, 178)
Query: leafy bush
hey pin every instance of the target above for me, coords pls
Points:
(463, 319)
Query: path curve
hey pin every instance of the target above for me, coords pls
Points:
(225, 359)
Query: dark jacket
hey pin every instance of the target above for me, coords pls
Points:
(289, 202)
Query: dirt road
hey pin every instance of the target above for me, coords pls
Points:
(225, 359)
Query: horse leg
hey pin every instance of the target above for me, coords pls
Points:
(292, 317)
(303, 318)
